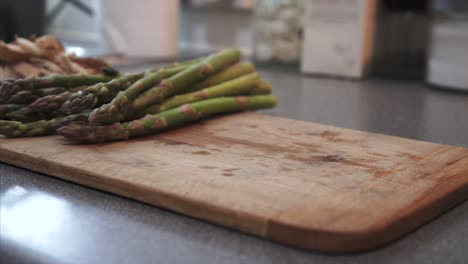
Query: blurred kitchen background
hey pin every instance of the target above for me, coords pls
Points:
(422, 40)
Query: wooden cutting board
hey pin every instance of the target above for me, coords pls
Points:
(303, 184)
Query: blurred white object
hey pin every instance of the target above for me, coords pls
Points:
(278, 28)
(140, 28)
(264, 51)
(278, 31)
(448, 57)
(448, 61)
(288, 51)
(338, 37)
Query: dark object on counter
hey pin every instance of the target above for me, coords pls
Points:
(401, 39)
(448, 57)
(21, 17)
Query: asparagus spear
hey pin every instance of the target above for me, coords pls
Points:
(9, 88)
(147, 82)
(165, 120)
(51, 91)
(49, 102)
(26, 97)
(77, 88)
(53, 99)
(243, 85)
(43, 108)
(98, 94)
(7, 108)
(123, 105)
(235, 71)
(26, 115)
(104, 92)
(263, 87)
(38, 128)
(21, 97)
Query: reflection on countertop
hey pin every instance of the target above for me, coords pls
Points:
(35, 219)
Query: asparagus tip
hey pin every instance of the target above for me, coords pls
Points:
(77, 103)
(104, 115)
(82, 132)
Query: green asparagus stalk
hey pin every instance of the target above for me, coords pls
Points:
(51, 91)
(7, 108)
(98, 94)
(77, 88)
(44, 107)
(26, 97)
(54, 100)
(122, 107)
(146, 82)
(103, 93)
(235, 71)
(21, 97)
(165, 120)
(38, 128)
(26, 115)
(9, 88)
(240, 86)
(49, 103)
(263, 87)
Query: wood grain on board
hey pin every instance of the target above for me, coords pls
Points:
(303, 184)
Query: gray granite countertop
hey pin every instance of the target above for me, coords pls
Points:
(46, 220)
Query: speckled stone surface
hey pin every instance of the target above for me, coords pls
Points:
(46, 220)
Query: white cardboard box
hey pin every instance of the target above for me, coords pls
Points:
(338, 37)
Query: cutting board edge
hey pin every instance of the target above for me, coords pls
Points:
(432, 203)
(368, 238)
(298, 236)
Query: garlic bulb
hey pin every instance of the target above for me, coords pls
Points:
(278, 30)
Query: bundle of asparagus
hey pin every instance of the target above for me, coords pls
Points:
(133, 105)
